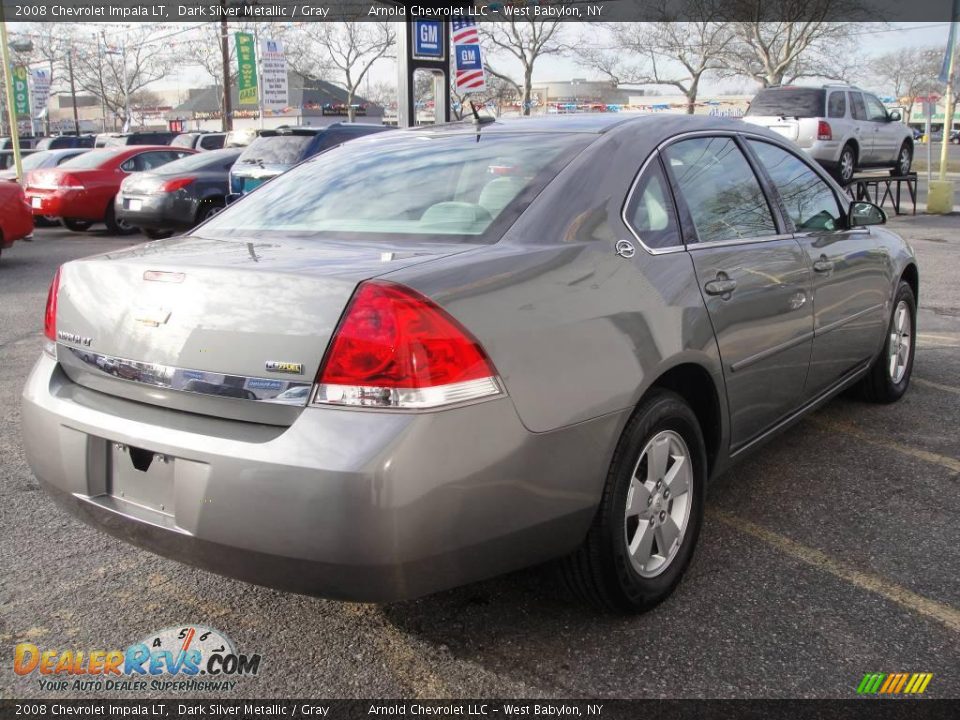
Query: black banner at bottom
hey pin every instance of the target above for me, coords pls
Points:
(872, 708)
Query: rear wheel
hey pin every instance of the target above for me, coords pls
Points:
(847, 164)
(118, 226)
(156, 234)
(889, 377)
(646, 527)
(77, 225)
(208, 208)
(904, 160)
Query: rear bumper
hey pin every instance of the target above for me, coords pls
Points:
(356, 505)
(157, 212)
(70, 204)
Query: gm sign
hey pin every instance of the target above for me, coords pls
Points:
(428, 40)
(468, 57)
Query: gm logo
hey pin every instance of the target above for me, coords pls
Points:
(428, 39)
(284, 367)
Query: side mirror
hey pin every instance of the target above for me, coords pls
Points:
(865, 213)
(895, 115)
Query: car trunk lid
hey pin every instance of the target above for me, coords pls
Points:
(220, 327)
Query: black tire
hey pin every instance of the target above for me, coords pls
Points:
(77, 225)
(45, 221)
(601, 571)
(846, 165)
(207, 209)
(904, 160)
(156, 234)
(879, 385)
(117, 227)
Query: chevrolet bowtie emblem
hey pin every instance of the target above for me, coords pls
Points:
(152, 317)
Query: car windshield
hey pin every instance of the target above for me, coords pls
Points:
(788, 102)
(212, 160)
(92, 159)
(417, 185)
(276, 149)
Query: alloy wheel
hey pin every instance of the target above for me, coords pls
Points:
(658, 503)
(846, 165)
(903, 164)
(898, 348)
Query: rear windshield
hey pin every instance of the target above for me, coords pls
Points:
(92, 159)
(788, 102)
(213, 160)
(276, 149)
(465, 185)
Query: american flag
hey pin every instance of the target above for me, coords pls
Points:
(470, 80)
(465, 32)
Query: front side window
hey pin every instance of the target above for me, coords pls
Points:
(875, 109)
(720, 189)
(837, 105)
(808, 200)
(404, 185)
(650, 212)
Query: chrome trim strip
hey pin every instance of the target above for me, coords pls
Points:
(843, 321)
(198, 382)
(763, 354)
(739, 241)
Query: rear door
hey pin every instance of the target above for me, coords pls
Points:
(851, 274)
(754, 278)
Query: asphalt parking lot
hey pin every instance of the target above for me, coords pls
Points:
(831, 553)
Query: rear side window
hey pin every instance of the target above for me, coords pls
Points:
(651, 213)
(837, 105)
(211, 142)
(808, 200)
(788, 102)
(857, 108)
(720, 189)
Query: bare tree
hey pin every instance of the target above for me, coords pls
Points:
(116, 69)
(526, 41)
(909, 73)
(498, 93)
(346, 49)
(677, 54)
(786, 40)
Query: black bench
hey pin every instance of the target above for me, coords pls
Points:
(880, 188)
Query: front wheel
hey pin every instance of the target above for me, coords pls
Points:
(904, 160)
(75, 225)
(649, 518)
(889, 376)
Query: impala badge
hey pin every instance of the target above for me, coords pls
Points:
(151, 316)
(284, 367)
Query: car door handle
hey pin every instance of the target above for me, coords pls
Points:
(823, 265)
(720, 286)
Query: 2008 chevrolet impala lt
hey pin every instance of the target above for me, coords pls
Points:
(431, 356)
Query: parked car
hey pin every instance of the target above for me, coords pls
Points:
(524, 340)
(81, 190)
(176, 196)
(40, 160)
(60, 142)
(16, 220)
(27, 142)
(241, 137)
(6, 157)
(955, 136)
(199, 140)
(276, 151)
(840, 126)
(146, 137)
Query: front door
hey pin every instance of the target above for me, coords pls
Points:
(755, 281)
(885, 133)
(851, 271)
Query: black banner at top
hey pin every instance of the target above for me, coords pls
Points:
(167, 11)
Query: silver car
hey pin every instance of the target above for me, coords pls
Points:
(519, 341)
(840, 126)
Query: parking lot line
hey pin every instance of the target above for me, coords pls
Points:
(931, 340)
(936, 386)
(945, 461)
(882, 586)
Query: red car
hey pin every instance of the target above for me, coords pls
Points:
(81, 191)
(16, 220)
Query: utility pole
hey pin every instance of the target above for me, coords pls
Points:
(225, 57)
(73, 90)
(101, 41)
(11, 107)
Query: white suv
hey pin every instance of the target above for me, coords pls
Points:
(840, 126)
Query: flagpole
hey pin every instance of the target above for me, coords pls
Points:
(11, 109)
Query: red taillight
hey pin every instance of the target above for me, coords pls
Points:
(50, 314)
(396, 348)
(823, 131)
(176, 184)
